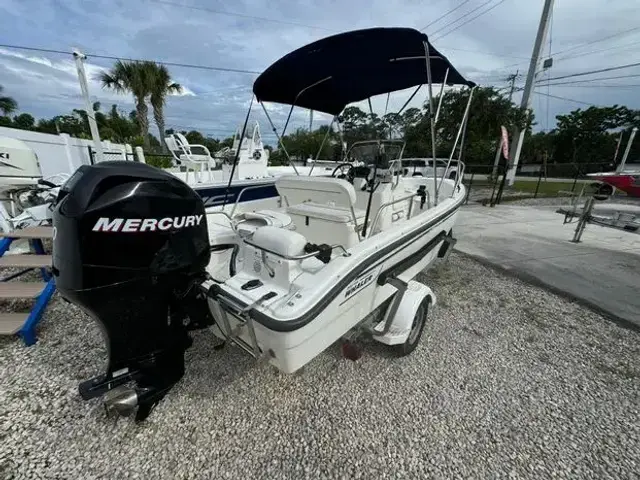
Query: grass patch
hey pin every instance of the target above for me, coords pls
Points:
(547, 189)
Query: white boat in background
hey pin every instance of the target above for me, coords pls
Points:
(252, 184)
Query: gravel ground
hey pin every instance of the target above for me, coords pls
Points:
(566, 201)
(509, 381)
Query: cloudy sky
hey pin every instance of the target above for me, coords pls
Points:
(251, 34)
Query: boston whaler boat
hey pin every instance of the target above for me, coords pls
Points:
(135, 248)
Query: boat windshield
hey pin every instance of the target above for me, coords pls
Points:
(369, 152)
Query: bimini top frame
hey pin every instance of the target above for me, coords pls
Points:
(329, 74)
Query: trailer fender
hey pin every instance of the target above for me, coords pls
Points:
(402, 320)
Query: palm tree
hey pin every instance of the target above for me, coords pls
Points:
(132, 77)
(162, 85)
(7, 104)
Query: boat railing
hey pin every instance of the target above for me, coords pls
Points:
(459, 177)
(304, 256)
(393, 202)
(237, 202)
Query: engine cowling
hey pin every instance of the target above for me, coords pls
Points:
(130, 248)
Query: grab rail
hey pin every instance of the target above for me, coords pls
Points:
(235, 205)
(252, 187)
(295, 257)
(393, 202)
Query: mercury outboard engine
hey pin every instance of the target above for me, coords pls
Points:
(130, 248)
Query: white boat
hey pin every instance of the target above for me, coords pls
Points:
(25, 196)
(284, 283)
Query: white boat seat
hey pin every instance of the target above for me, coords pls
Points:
(281, 241)
(301, 189)
(330, 213)
(249, 222)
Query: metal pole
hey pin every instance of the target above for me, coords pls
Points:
(512, 79)
(322, 144)
(535, 195)
(433, 125)
(93, 126)
(458, 135)
(501, 189)
(440, 96)
(497, 159)
(466, 200)
(518, 137)
(584, 218)
(275, 131)
(235, 160)
(286, 124)
(575, 179)
(310, 120)
(628, 149)
(615, 155)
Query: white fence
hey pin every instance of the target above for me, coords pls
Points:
(62, 153)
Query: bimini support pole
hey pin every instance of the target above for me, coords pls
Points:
(235, 160)
(275, 131)
(432, 123)
(446, 75)
(322, 144)
(465, 116)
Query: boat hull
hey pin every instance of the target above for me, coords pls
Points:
(627, 182)
(356, 288)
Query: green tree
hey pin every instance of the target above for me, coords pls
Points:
(24, 121)
(489, 110)
(161, 86)
(134, 78)
(7, 104)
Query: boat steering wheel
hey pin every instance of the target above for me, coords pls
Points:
(345, 171)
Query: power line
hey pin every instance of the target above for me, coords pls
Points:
(112, 57)
(503, 55)
(593, 52)
(602, 70)
(573, 82)
(445, 15)
(570, 49)
(463, 16)
(600, 85)
(240, 15)
(471, 19)
(565, 98)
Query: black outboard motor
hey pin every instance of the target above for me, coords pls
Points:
(130, 248)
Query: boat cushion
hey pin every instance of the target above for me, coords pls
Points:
(275, 219)
(300, 189)
(330, 213)
(280, 241)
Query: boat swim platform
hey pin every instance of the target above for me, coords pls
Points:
(602, 271)
(13, 287)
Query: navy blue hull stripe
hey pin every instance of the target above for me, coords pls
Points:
(213, 195)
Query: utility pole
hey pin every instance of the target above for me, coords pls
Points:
(511, 78)
(93, 126)
(518, 137)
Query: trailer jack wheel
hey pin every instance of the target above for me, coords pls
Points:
(417, 327)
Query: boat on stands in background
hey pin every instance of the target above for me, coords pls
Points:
(625, 178)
